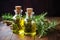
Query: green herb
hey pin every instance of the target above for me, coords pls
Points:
(7, 16)
(43, 26)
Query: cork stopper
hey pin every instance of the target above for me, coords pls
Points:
(29, 10)
(18, 9)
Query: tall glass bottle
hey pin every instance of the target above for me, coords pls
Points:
(30, 25)
(19, 21)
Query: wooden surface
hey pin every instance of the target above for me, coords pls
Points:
(6, 33)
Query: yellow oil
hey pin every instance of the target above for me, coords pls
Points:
(22, 28)
(30, 28)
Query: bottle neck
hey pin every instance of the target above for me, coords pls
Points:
(28, 16)
(19, 14)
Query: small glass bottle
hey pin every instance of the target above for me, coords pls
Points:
(30, 25)
(19, 21)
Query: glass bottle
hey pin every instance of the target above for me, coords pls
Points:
(30, 25)
(19, 21)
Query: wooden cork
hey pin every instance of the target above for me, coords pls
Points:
(18, 9)
(29, 10)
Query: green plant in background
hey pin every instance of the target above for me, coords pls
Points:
(7, 16)
(44, 25)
